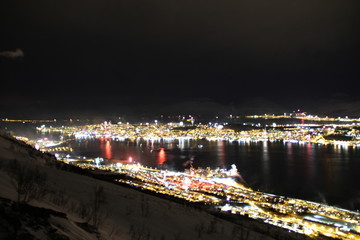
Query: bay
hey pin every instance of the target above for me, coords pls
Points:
(321, 173)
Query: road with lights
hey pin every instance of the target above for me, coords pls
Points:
(219, 189)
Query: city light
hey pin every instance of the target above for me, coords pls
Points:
(337, 134)
(216, 188)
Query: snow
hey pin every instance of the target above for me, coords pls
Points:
(70, 229)
(128, 213)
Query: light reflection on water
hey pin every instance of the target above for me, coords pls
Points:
(308, 171)
(161, 156)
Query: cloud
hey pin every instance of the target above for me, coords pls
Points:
(12, 54)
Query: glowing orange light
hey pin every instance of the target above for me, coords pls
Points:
(105, 147)
(161, 156)
(221, 153)
(108, 152)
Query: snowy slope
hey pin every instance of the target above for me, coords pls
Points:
(27, 222)
(128, 214)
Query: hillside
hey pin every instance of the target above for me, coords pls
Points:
(68, 199)
(22, 221)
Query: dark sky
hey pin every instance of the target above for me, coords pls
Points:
(167, 56)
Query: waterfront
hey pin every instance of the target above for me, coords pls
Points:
(316, 172)
(309, 171)
(218, 190)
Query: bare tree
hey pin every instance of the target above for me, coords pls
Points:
(212, 228)
(145, 209)
(29, 182)
(98, 201)
(59, 197)
(199, 228)
(240, 233)
(82, 209)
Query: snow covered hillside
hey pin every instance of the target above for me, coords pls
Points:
(22, 221)
(117, 212)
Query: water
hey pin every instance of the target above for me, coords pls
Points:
(314, 172)
(320, 173)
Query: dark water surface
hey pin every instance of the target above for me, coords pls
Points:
(309, 171)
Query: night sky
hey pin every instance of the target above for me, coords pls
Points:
(94, 57)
